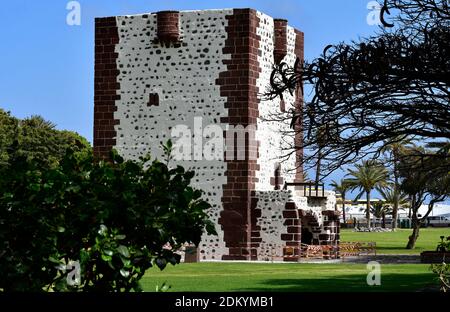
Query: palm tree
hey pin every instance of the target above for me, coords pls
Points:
(394, 148)
(38, 122)
(367, 176)
(395, 199)
(342, 188)
(379, 209)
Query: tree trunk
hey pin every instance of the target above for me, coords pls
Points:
(415, 234)
(383, 218)
(394, 215)
(368, 209)
(343, 208)
(319, 164)
(397, 197)
(416, 222)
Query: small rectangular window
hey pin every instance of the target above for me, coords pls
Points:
(153, 99)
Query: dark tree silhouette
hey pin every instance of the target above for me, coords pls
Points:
(423, 179)
(377, 91)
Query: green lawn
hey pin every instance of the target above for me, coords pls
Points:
(307, 277)
(287, 277)
(395, 242)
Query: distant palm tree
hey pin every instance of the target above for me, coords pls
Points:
(379, 209)
(342, 187)
(395, 199)
(394, 148)
(391, 196)
(367, 176)
(37, 121)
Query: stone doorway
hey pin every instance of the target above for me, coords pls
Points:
(307, 236)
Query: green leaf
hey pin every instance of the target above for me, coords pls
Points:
(103, 230)
(124, 273)
(189, 175)
(161, 263)
(163, 288)
(110, 264)
(84, 256)
(120, 237)
(173, 260)
(210, 228)
(123, 250)
(54, 260)
(106, 258)
(137, 288)
(126, 262)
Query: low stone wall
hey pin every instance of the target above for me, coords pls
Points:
(434, 257)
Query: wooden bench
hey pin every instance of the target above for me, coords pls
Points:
(348, 249)
(318, 251)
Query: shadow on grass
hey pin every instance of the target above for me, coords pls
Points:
(350, 283)
(385, 259)
(399, 248)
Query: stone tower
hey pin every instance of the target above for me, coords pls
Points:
(201, 71)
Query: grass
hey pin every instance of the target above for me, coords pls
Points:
(395, 242)
(278, 277)
(343, 277)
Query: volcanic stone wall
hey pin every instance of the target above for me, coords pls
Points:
(192, 70)
(271, 133)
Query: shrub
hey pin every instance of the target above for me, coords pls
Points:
(443, 274)
(36, 139)
(443, 246)
(113, 218)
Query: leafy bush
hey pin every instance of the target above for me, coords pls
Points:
(114, 218)
(443, 272)
(443, 246)
(37, 139)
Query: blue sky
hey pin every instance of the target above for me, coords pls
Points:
(47, 66)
